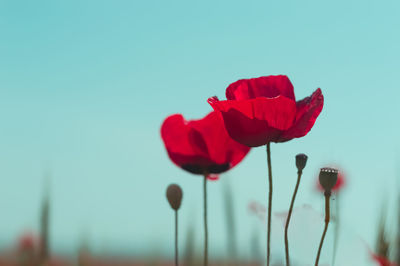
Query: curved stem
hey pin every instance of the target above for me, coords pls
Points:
(289, 216)
(269, 200)
(327, 218)
(176, 237)
(205, 221)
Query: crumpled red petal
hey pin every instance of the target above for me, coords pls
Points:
(256, 122)
(307, 112)
(268, 86)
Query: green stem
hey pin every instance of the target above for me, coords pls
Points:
(289, 216)
(269, 201)
(327, 218)
(205, 221)
(176, 237)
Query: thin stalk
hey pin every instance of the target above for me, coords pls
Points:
(327, 218)
(336, 235)
(289, 216)
(269, 200)
(176, 237)
(398, 237)
(205, 221)
(44, 230)
(230, 222)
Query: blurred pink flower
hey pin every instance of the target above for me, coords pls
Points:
(27, 241)
(382, 261)
(257, 209)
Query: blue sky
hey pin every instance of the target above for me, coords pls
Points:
(85, 86)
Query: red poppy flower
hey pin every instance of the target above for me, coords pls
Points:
(340, 183)
(26, 242)
(262, 110)
(201, 146)
(382, 261)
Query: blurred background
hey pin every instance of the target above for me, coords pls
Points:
(85, 86)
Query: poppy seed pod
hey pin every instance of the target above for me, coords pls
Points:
(328, 177)
(301, 160)
(174, 196)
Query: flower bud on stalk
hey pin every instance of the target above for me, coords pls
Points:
(174, 196)
(301, 161)
(327, 178)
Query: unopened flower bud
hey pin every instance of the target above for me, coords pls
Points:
(174, 196)
(328, 177)
(301, 160)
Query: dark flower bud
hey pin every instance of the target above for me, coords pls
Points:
(328, 177)
(174, 196)
(301, 160)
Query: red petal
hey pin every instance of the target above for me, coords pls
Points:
(269, 86)
(308, 110)
(201, 145)
(213, 177)
(221, 148)
(183, 144)
(257, 121)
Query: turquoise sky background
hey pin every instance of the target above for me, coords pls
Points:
(85, 86)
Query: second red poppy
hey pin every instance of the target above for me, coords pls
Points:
(262, 110)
